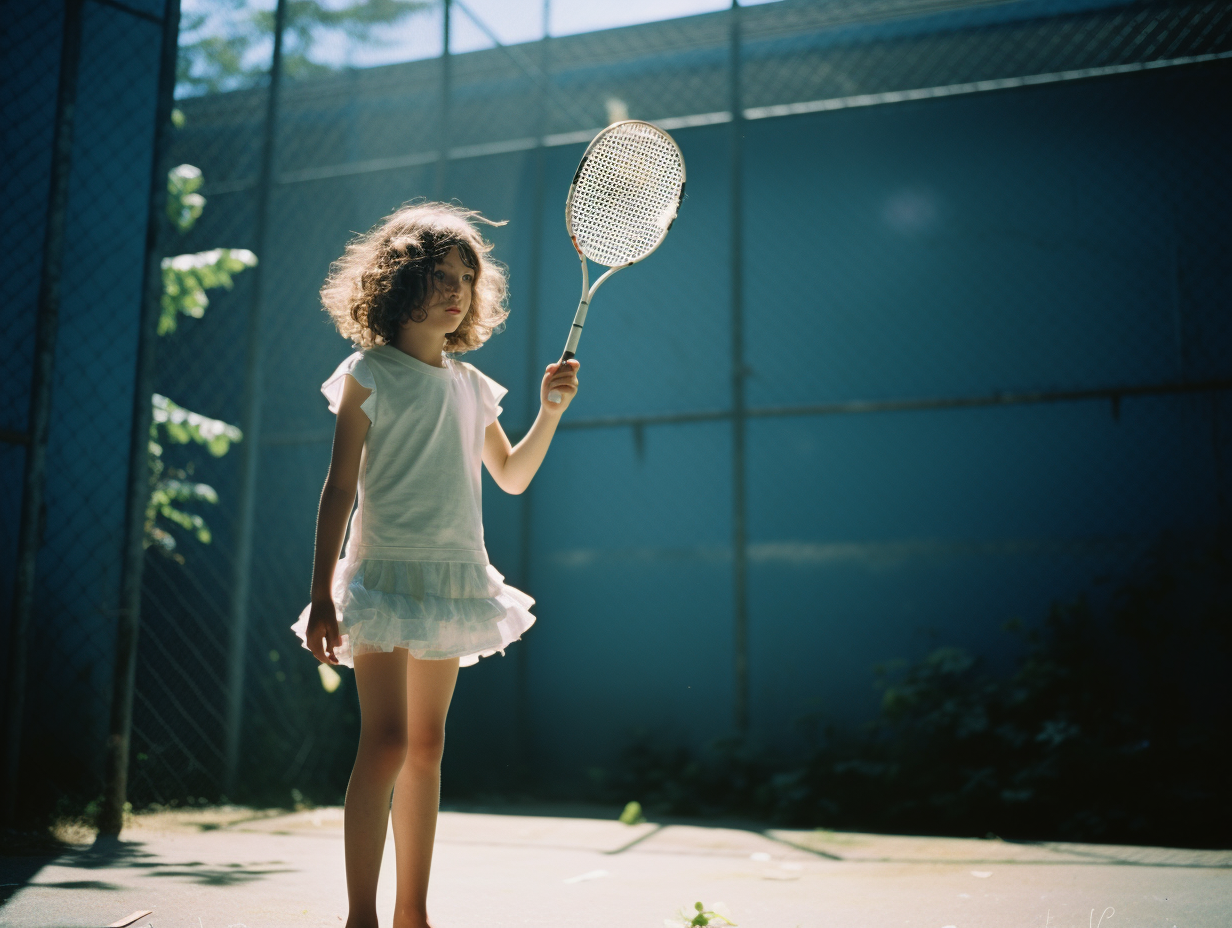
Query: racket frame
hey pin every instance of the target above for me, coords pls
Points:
(588, 289)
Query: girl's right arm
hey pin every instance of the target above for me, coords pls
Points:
(336, 501)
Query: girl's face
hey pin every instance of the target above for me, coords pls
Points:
(450, 299)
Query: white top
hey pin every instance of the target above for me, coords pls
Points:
(419, 476)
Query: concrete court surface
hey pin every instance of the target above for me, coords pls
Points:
(220, 868)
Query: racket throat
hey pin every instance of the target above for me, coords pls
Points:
(579, 318)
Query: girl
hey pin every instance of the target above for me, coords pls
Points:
(414, 597)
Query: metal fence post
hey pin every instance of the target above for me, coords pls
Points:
(34, 481)
(251, 419)
(740, 618)
(522, 720)
(115, 774)
(442, 160)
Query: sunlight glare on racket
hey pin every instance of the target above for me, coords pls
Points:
(622, 202)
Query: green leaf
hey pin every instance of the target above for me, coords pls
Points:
(182, 426)
(186, 278)
(184, 204)
(169, 488)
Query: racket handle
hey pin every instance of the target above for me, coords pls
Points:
(554, 396)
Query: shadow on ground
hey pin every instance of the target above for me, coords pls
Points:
(109, 853)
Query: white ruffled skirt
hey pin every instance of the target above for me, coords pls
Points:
(434, 609)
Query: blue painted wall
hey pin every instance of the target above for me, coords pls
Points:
(1018, 241)
(1064, 237)
(1070, 236)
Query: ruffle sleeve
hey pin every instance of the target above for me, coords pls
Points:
(357, 367)
(490, 395)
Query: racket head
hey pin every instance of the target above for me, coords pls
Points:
(625, 193)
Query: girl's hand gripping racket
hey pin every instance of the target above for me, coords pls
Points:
(623, 199)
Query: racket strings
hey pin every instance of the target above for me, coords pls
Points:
(626, 195)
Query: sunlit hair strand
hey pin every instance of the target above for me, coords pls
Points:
(385, 276)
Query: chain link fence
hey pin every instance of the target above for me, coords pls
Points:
(940, 337)
(81, 91)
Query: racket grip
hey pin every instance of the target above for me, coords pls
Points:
(554, 396)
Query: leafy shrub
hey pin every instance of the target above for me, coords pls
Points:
(1114, 725)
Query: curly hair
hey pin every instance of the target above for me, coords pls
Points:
(385, 276)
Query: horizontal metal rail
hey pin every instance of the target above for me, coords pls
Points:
(911, 404)
(870, 553)
(970, 87)
(845, 407)
(1112, 394)
(353, 168)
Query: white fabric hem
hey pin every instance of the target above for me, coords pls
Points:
(436, 610)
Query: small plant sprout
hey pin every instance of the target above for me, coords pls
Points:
(632, 815)
(717, 914)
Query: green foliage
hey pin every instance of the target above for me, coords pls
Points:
(701, 916)
(172, 488)
(182, 426)
(184, 203)
(187, 277)
(1113, 725)
(173, 491)
(222, 45)
(632, 814)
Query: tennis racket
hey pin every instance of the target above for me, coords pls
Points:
(623, 199)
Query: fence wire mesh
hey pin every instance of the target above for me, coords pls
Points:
(981, 344)
(96, 298)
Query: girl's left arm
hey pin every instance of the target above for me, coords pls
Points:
(512, 467)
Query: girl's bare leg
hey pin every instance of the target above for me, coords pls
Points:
(417, 792)
(381, 681)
